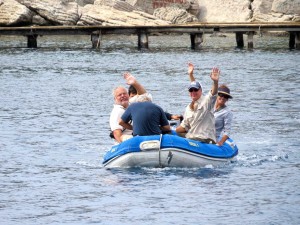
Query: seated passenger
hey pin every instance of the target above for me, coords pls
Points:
(223, 115)
(147, 117)
(121, 102)
(199, 121)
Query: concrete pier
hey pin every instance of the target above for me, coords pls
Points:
(195, 30)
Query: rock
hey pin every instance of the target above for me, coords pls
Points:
(38, 20)
(142, 5)
(104, 2)
(225, 11)
(104, 15)
(261, 6)
(57, 12)
(275, 17)
(83, 2)
(286, 6)
(193, 8)
(116, 4)
(12, 13)
(174, 15)
(140, 12)
(260, 10)
(296, 18)
(275, 10)
(149, 6)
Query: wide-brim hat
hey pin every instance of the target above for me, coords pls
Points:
(195, 84)
(224, 91)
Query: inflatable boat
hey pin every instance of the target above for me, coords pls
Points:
(168, 151)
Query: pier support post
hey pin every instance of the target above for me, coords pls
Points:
(196, 40)
(143, 40)
(250, 39)
(95, 38)
(292, 40)
(239, 39)
(297, 40)
(32, 41)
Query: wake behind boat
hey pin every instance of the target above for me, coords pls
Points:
(168, 151)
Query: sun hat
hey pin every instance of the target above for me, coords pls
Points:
(195, 84)
(224, 90)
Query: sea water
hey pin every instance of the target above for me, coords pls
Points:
(55, 103)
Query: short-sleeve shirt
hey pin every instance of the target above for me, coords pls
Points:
(115, 117)
(147, 118)
(200, 123)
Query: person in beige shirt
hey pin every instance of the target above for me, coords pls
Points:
(223, 115)
(199, 120)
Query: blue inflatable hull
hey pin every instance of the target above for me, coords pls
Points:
(168, 151)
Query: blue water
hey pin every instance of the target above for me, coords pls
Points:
(55, 103)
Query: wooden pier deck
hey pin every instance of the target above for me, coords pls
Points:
(195, 30)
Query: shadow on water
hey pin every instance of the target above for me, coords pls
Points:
(197, 173)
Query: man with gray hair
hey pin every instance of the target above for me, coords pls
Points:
(147, 117)
(121, 102)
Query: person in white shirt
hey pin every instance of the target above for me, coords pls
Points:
(122, 99)
(121, 102)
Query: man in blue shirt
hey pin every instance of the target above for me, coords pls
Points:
(147, 118)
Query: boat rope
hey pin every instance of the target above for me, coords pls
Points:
(159, 152)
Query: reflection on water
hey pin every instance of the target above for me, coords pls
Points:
(54, 108)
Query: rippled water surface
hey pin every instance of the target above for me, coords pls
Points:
(55, 103)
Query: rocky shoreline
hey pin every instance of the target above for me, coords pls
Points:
(144, 12)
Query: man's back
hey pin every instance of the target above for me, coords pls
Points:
(147, 118)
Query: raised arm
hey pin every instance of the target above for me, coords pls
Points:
(130, 80)
(191, 72)
(214, 75)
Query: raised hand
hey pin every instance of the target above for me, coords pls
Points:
(215, 74)
(190, 68)
(129, 78)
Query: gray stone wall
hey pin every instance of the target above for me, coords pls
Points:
(143, 12)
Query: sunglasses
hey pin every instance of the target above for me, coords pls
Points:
(193, 90)
(224, 96)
